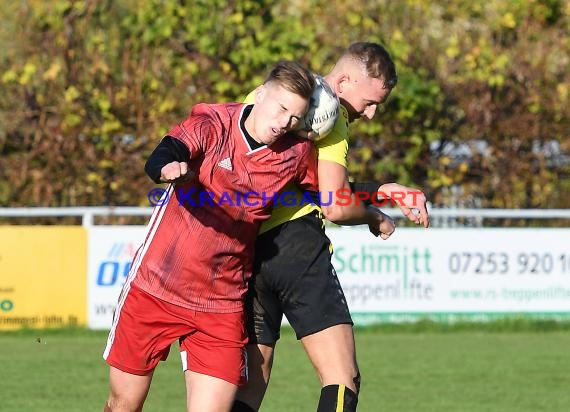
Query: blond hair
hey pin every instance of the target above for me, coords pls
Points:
(292, 76)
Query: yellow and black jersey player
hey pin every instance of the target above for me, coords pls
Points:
(293, 273)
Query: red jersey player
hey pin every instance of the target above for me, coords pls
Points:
(189, 277)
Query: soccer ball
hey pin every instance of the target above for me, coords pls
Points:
(323, 110)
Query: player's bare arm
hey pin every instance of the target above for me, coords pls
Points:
(411, 201)
(332, 178)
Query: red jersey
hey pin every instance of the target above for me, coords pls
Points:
(199, 247)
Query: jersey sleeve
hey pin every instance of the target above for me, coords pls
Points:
(250, 98)
(198, 130)
(168, 150)
(307, 176)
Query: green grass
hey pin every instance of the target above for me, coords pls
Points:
(423, 367)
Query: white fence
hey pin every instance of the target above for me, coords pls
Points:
(439, 216)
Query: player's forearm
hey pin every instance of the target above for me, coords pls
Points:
(387, 190)
(397, 193)
(168, 150)
(343, 207)
(346, 212)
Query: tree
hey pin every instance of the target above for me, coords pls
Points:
(481, 105)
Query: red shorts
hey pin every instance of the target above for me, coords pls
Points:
(144, 327)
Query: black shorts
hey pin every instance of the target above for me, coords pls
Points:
(293, 275)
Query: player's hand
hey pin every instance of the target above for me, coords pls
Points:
(176, 172)
(380, 224)
(411, 201)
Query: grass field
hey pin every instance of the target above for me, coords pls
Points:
(414, 368)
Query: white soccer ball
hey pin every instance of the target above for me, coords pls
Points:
(323, 110)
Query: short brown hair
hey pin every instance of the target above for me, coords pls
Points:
(294, 77)
(376, 60)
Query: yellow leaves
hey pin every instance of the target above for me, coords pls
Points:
(166, 105)
(547, 188)
(70, 94)
(501, 61)
(221, 87)
(92, 177)
(27, 73)
(153, 84)
(445, 180)
(562, 90)
(534, 107)
(353, 19)
(444, 160)
(53, 71)
(416, 140)
(192, 67)
(508, 21)
(9, 76)
(496, 80)
(452, 50)
(463, 167)
(96, 178)
(225, 66)
(437, 180)
(236, 18)
(71, 119)
(397, 35)
(166, 31)
(482, 64)
(104, 104)
(122, 94)
(447, 174)
(366, 153)
(400, 45)
(470, 61)
(98, 37)
(414, 3)
(111, 125)
(105, 164)
(369, 23)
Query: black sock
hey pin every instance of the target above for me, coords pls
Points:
(240, 406)
(333, 396)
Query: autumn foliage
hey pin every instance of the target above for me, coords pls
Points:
(479, 118)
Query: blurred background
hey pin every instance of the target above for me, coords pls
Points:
(480, 116)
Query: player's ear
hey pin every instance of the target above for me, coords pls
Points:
(340, 83)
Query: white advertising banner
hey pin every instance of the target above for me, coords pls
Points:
(454, 273)
(111, 249)
(438, 273)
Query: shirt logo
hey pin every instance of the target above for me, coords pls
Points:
(226, 164)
